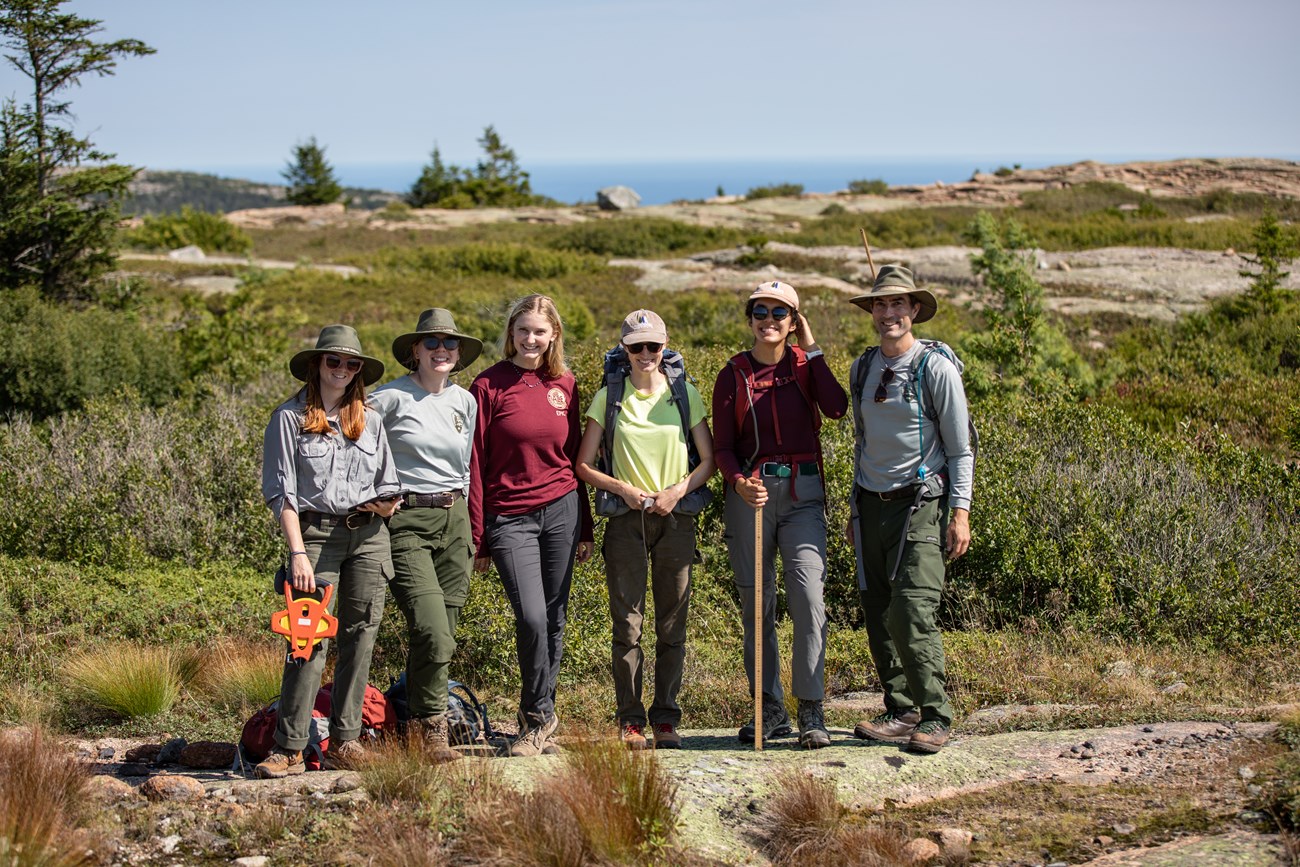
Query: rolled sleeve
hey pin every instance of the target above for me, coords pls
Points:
(279, 474)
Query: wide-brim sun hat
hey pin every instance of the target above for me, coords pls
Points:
(777, 291)
(897, 280)
(341, 340)
(438, 320)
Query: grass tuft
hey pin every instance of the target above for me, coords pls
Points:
(805, 824)
(42, 798)
(126, 680)
(400, 839)
(241, 675)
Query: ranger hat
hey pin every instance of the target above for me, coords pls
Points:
(644, 326)
(438, 320)
(341, 339)
(897, 280)
(777, 291)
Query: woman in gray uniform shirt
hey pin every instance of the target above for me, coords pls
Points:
(326, 470)
(430, 426)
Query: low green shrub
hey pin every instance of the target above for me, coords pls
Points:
(640, 236)
(772, 191)
(212, 232)
(509, 260)
(869, 187)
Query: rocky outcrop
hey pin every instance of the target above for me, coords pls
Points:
(617, 198)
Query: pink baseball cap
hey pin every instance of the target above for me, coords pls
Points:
(777, 291)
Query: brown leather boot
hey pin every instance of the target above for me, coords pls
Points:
(929, 737)
(345, 756)
(281, 763)
(891, 727)
(434, 732)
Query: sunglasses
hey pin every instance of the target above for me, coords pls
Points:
(332, 362)
(638, 348)
(885, 379)
(778, 313)
(435, 342)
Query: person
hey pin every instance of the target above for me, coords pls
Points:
(528, 511)
(651, 473)
(430, 423)
(328, 477)
(767, 409)
(912, 477)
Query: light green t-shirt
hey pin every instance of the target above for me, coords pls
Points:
(649, 443)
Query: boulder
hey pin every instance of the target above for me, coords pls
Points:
(208, 754)
(172, 787)
(954, 842)
(617, 198)
(192, 253)
(920, 851)
(170, 752)
(145, 753)
(110, 788)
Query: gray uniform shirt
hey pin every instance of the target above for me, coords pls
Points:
(431, 434)
(319, 472)
(899, 438)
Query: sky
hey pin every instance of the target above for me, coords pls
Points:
(241, 82)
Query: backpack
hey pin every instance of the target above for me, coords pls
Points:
(924, 399)
(617, 369)
(467, 719)
(802, 377)
(258, 736)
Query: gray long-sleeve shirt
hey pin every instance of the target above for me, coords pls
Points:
(319, 472)
(899, 438)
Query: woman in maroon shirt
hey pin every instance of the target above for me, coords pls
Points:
(528, 512)
(768, 405)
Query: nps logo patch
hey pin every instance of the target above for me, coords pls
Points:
(557, 398)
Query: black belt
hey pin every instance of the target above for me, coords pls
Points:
(352, 520)
(782, 470)
(906, 493)
(442, 500)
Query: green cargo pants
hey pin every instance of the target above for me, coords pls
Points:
(432, 562)
(358, 564)
(904, 636)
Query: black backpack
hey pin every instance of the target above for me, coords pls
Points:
(617, 369)
(467, 719)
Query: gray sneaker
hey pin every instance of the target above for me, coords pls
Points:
(812, 725)
(776, 724)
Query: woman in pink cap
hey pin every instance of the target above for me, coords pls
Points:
(768, 405)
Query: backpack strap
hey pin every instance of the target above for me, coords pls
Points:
(617, 368)
(857, 383)
(675, 369)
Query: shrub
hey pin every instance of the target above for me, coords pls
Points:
(509, 260)
(42, 799)
(125, 680)
(832, 209)
(213, 232)
(872, 187)
(640, 236)
(1004, 172)
(772, 191)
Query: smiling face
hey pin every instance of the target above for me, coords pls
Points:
(531, 335)
(893, 316)
(769, 329)
(337, 370)
(439, 359)
(645, 356)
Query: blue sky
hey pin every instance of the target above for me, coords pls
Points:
(239, 82)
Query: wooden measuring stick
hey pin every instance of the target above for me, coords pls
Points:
(758, 629)
(867, 247)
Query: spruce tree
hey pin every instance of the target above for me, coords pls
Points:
(1273, 249)
(58, 215)
(435, 183)
(310, 176)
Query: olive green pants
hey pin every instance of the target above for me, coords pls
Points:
(904, 636)
(432, 562)
(358, 564)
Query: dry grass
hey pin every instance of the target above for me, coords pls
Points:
(241, 675)
(403, 771)
(43, 798)
(399, 838)
(126, 680)
(805, 824)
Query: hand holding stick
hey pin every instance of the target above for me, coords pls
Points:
(758, 629)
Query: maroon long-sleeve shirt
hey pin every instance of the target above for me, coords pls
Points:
(785, 421)
(525, 444)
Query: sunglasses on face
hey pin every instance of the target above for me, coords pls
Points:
(332, 362)
(638, 348)
(435, 342)
(761, 311)
(885, 379)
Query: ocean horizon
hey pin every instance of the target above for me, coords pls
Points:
(662, 182)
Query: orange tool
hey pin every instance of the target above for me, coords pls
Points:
(304, 622)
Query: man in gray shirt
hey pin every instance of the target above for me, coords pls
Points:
(913, 470)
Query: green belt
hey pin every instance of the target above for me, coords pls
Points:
(785, 471)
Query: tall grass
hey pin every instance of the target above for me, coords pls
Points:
(42, 800)
(240, 675)
(126, 680)
(805, 824)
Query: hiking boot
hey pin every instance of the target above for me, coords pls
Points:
(434, 733)
(776, 724)
(633, 736)
(531, 742)
(281, 763)
(812, 725)
(345, 756)
(666, 736)
(891, 727)
(929, 737)
(550, 726)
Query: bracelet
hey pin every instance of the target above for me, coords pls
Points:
(816, 353)
(296, 553)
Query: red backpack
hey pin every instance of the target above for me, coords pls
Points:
(258, 737)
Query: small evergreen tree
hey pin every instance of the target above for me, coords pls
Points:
(58, 216)
(496, 181)
(1273, 249)
(1007, 265)
(310, 176)
(436, 183)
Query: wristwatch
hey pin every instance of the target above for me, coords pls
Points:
(816, 353)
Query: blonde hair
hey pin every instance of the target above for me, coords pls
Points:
(352, 409)
(553, 359)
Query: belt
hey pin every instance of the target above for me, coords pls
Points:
(905, 493)
(442, 500)
(352, 520)
(779, 470)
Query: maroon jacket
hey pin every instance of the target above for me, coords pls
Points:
(525, 445)
(787, 426)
